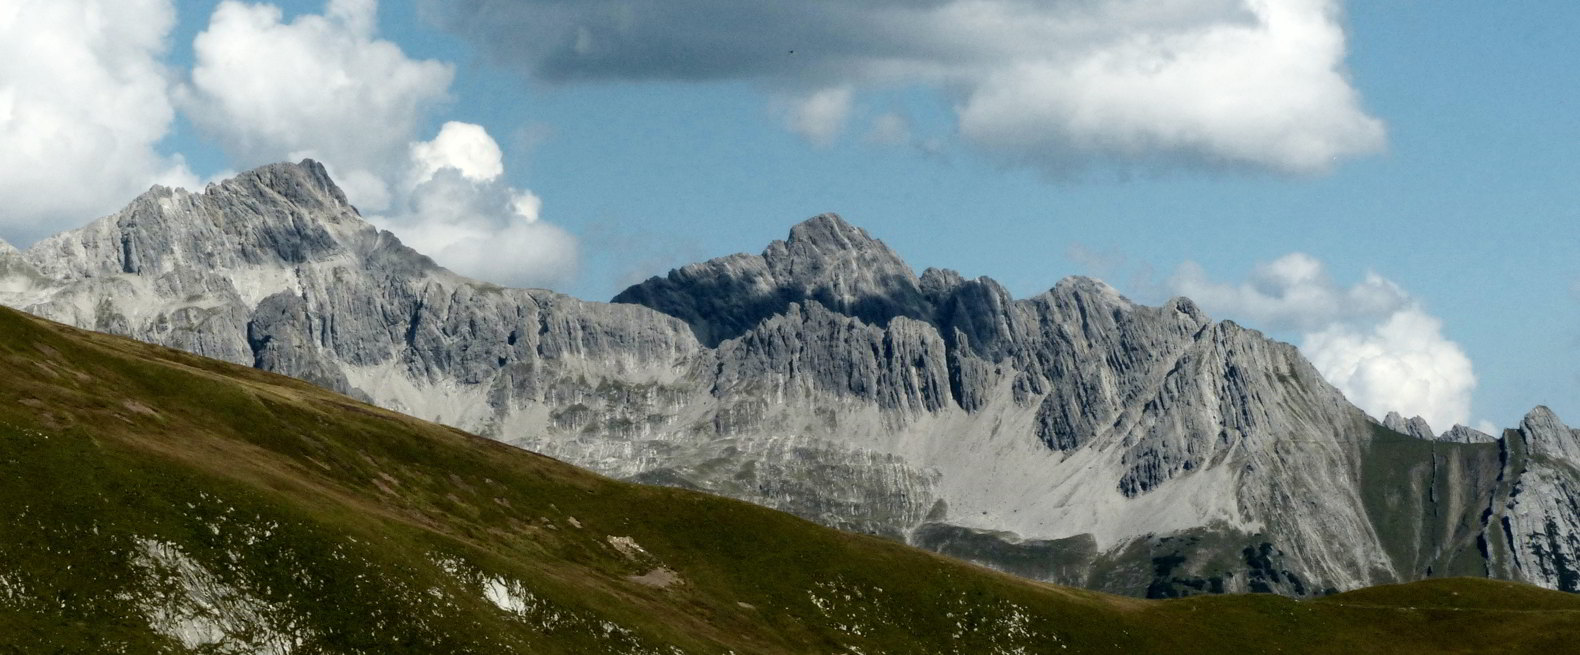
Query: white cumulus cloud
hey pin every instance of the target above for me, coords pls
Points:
(459, 211)
(1262, 90)
(320, 86)
(1371, 340)
(84, 102)
(326, 86)
(463, 146)
(1403, 364)
(1060, 86)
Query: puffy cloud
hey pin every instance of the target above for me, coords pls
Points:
(459, 211)
(463, 146)
(1291, 292)
(1371, 340)
(1403, 364)
(84, 101)
(320, 86)
(820, 116)
(1054, 85)
(1264, 92)
(324, 86)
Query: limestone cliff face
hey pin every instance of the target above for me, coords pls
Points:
(274, 269)
(1541, 520)
(1074, 436)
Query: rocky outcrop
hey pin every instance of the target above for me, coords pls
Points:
(1462, 434)
(1542, 517)
(1416, 426)
(1545, 435)
(1074, 435)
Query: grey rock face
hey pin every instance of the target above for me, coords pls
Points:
(825, 260)
(1540, 523)
(1462, 434)
(1546, 435)
(898, 368)
(280, 334)
(274, 269)
(1415, 427)
(1074, 435)
(17, 275)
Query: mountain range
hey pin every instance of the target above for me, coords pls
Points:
(156, 502)
(1075, 436)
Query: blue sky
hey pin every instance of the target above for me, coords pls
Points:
(1452, 229)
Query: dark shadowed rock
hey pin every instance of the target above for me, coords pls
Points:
(825, 259)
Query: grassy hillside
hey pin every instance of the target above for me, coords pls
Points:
(156, 502)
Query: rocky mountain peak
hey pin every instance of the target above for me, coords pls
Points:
(1188, 307)
(841, 266)
(939, 282)
(306, 184)
(1547, 435)
(1541, 418)
(829, 231)
(1415, 426)
(1093, 288)
(276, 215)
(824, 259)
(826, 246)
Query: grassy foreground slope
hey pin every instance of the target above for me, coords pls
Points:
(157, 502)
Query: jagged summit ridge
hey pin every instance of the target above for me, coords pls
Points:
(1074, 435)
(1465, 434)
(274, 268)
(282, 213)
(824, 259)
(1417, 427)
